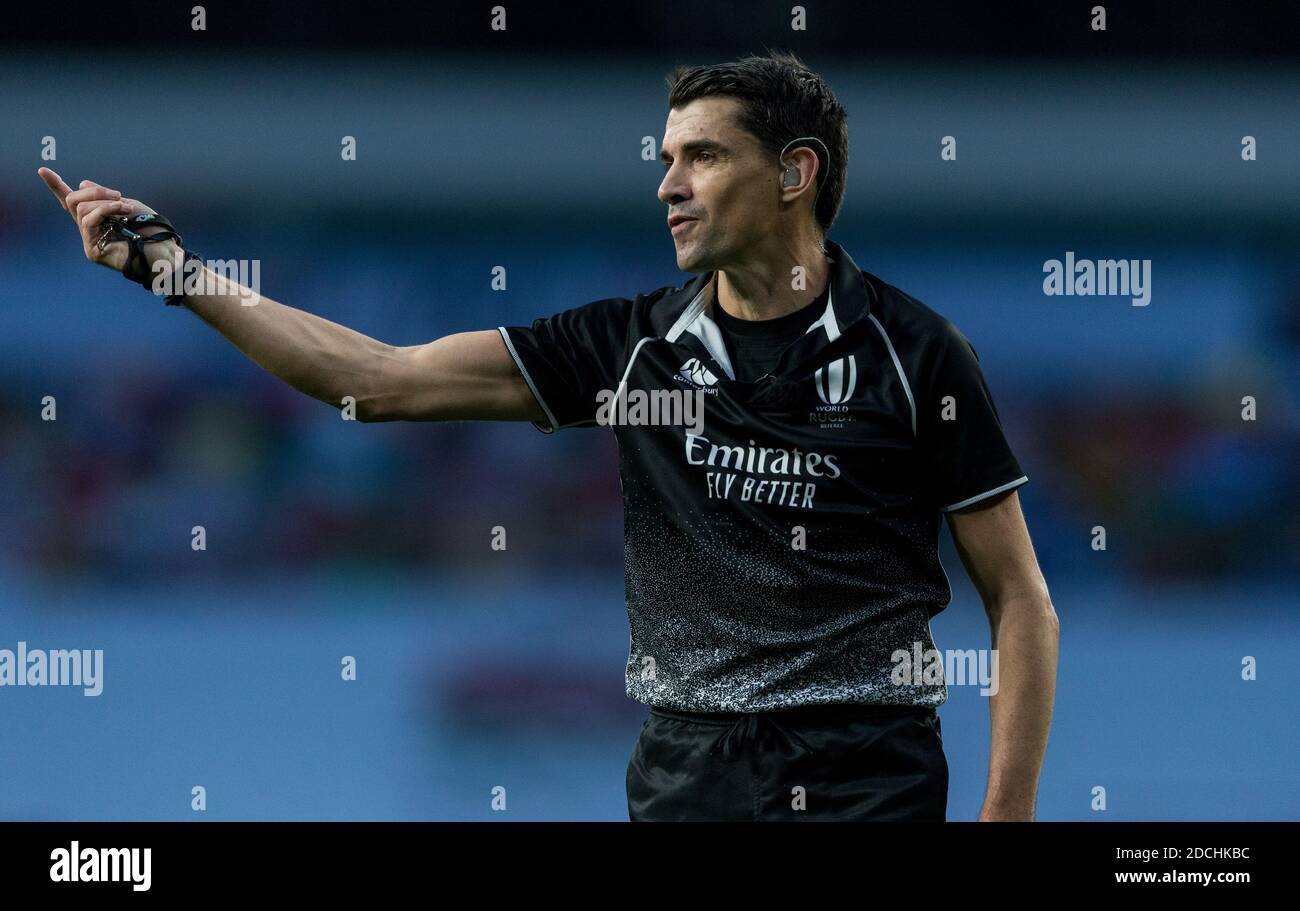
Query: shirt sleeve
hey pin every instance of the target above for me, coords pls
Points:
(566, 359)
(965, 452)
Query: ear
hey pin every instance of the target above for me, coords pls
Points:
(801, 172)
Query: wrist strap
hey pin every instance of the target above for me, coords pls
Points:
(178, 298)
(136, 268)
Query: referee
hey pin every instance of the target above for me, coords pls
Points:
(781, 554)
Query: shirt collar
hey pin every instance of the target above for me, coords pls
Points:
(849, 301)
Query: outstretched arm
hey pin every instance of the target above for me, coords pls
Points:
(465, 376)
(994, 545)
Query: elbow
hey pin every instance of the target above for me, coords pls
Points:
(381, 398)
(1031, 603)
(393, 405)
(1047, 614)
(1051, 619)
(373, 410)
(363, 407)
(1047, 608)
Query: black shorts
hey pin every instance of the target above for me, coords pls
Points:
(833, 762)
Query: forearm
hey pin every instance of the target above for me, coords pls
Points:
(317, 357)
(1025, 633)
(463, 376)
(322, 359)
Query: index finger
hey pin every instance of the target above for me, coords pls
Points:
(55, 183)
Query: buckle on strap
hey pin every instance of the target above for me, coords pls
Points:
(136, 268)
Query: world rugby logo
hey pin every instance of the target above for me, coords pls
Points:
(835, 382)
(695, 372)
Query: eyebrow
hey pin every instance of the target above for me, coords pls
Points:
(695, 145)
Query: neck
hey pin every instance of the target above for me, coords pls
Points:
(761, 288)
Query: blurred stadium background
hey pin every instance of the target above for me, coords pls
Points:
(480, 668)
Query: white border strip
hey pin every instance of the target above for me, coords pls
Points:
(555, 425)
(986, 494)
(707, 331)
(622, 384)
(899, 367)
(689, 315)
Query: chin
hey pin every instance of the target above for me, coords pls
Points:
(693, 259)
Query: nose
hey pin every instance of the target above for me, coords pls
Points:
(674, 188)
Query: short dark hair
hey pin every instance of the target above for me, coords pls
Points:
(781, 99)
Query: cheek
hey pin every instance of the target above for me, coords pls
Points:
(749, 197)
(735, 208)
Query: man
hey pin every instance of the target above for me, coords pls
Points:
(781, 556)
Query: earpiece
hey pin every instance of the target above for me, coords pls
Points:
(791, 176)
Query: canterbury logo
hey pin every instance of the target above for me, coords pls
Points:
(697, 373)
(835, 382)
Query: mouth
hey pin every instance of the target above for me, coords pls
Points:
(676, 221)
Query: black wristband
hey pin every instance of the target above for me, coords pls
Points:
(136, 267)
(178, 297)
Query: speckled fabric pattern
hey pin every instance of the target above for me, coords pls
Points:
(727, 616)
(782, 551)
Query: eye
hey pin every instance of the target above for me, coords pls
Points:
(704, 156)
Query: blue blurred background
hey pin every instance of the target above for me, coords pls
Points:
(479, 668)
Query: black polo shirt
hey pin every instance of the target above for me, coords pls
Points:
(784, 554)
(756, 345)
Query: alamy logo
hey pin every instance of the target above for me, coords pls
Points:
(651, 408)
(1122, 277)
(240, 278)
(76, 864)
(695, 372)
(836, 381)
(951, 667)
(58, 667)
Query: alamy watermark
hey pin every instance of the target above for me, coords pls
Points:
(81, 667)
(241, 278)
(652, 407)
(75, 864)
(1122, 277)
(954, 667)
